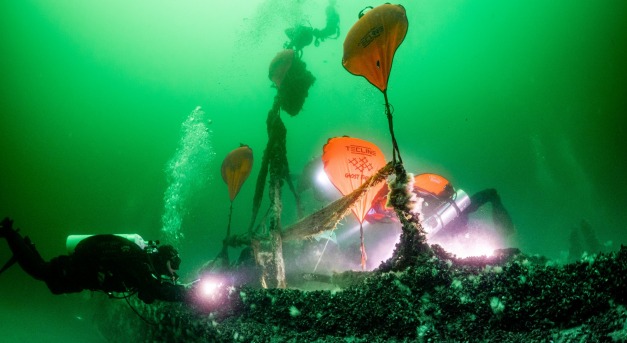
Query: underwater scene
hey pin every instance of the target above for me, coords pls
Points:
(313, 171)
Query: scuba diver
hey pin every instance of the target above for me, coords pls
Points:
(332, 27)
(301, 36)
(107, 263)
(444, 210)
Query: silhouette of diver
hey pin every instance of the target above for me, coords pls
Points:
(500, 215)
(301, 36)
(444, 210)
(107, 263)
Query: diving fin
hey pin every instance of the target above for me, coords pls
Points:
(9, 263)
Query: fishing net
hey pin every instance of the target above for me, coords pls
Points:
(328, 217)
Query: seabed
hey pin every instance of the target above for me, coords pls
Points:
(510, 297)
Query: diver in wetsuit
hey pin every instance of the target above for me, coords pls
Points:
(301, 36)
(500, 215)
(332, 28)
(445, 211)
(107, 263)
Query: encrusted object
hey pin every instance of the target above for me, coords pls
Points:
(517, 300)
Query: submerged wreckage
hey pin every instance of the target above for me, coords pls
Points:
(422, 293)
(510, 297)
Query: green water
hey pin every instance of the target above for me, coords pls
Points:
(528, 97)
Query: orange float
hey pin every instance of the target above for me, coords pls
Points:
(349, 162)
(369, 50)
(279, 66)
(235, 169)
(371, 43)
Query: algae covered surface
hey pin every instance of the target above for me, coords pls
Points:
(516, 298)
(97, 135)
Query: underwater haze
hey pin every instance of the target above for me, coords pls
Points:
(527, 97)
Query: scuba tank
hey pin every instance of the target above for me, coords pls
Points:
(446, 212)
(72, 241)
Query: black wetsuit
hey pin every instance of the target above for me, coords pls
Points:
(105, 263)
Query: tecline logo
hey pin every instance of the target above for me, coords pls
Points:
(361, 150)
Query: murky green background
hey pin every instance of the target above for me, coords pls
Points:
(528, 97)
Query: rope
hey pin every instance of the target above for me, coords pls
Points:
(321, 255)
(265, 161)
(396, 154)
